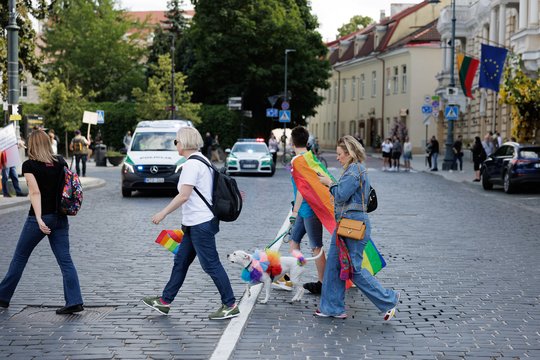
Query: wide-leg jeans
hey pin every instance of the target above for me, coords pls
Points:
(30, 237)
(333, 290)
(199, 240)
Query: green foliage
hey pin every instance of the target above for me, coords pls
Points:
(218, 119)
(119, 118)
(88, 48)
(28, 59)
(152, 103)
(355, 23)
(244, 56)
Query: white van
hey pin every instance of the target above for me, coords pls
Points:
(152, 160)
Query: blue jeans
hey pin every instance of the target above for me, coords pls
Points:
(31, 235)
(310, 225)
(434, 157)
(333, 290)
(10, 173)
(199, 240)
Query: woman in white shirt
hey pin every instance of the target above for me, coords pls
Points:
(54, 143)
(200, 227)
(386, 148)
(407, 153)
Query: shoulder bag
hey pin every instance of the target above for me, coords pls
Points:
(353, 229)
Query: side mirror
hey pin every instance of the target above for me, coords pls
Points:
(228, 151)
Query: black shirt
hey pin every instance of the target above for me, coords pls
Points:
(50, 178)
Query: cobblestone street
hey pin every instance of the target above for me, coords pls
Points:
(464, 259)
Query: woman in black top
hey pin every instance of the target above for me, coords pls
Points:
(478, 155)
(44, 174)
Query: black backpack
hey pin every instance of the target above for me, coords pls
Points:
(226, 198)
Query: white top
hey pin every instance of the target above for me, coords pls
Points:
(386, 147)
(54, 146)
(195, 173)
(407, 147)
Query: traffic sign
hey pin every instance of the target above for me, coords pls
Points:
(285, 105)
(285, 116)
(100, 116)
(427, 99)
(451, 112)
(271, 112)
(427, 109)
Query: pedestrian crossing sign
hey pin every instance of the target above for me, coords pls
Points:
(451, 112)
(101, 116)
(285, 116)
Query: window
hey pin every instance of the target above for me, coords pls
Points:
(335, 91)
(24, 89)
(353, 88)
(329, 95)
(395, 80)
(373, 83)
(403, 78)
(344, 90)
(362, 86)
(388, 79)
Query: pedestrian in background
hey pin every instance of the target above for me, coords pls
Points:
(10, 172)
(457, 149)
(54, 143)
(407, 153)
(428, 154)
(200, 227)
(273, 146)
(207, 146)
(396, 153)
(350, 194)
(127, 140)
(488, 144)
(386, 149)
(434, 153)
(215, 149)
(478, 155)
(79, 147)
(44, 174)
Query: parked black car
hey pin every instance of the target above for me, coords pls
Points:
(512, 165)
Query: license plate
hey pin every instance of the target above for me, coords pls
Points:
(154, 180)
(250, 166)
(537, 165)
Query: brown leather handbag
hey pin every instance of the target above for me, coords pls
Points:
(352, 229)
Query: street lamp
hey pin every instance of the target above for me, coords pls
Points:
(285, 99)
(172, 76)
(13, 58)
(449, 154)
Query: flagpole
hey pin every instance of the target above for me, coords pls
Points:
(449, 154)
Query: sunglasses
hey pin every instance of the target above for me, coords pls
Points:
(175, 142)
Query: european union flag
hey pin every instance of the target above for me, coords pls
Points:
(491, 67)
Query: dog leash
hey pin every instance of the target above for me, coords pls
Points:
(285, 233)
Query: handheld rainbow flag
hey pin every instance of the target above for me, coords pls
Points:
(304, 171)
(170, 239)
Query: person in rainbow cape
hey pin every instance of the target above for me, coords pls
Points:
(346, 255)
(304, 220)
(199, 226)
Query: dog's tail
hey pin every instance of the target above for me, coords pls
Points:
(315, 257)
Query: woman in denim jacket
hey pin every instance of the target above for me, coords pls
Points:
(349, 203)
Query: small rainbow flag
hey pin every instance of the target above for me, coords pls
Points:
(304, 172)
(170, 239)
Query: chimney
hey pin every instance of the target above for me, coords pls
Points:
(383, 16)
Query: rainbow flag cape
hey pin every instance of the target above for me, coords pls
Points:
(170, 239)
(304, 171)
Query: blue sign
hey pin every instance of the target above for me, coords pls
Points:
(284, 105)
(426, 109)
(285, 116)
(451, 112)
(100, 116)
(271, 112)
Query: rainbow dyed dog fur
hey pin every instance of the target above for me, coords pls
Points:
(254, 265)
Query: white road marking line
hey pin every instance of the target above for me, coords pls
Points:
(231, 335)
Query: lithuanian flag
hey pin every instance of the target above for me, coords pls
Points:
(304, 171)
(467, 67)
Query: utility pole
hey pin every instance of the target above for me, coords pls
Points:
(172, 77)
(13, 59)
(285, 99)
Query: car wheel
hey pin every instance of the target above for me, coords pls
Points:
(273, 171)
(485, 182)
(507, 184)
(126, 192)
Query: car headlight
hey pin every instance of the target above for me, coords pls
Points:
(128, 168)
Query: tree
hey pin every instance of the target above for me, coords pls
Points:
(87, 45)
(355, 23)
(239, 47)
(175, 26)
(152, 103)
(28, 60)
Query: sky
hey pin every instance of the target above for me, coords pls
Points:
(331, 13)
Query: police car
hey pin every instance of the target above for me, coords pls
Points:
(249, 156)
(152, 161)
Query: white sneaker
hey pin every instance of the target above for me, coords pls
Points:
(450, 171)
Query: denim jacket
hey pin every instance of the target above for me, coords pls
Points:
(347, 193)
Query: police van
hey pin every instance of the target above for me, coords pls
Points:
(152, 161)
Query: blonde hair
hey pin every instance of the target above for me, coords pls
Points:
(189, 138)
(352, 147)
(39, 147)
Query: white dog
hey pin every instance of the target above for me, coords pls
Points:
(289, 265)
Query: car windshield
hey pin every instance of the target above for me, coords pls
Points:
(153, 141)
(530, 153)
(250, 148)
